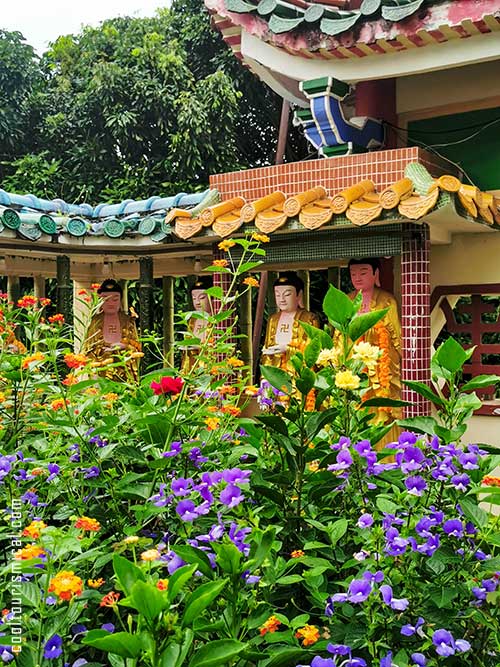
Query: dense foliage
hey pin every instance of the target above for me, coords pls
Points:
(158, 526)
(134, 107)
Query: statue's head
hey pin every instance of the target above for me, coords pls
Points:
(111, 296)
(289, 292)
(201, 300)
(365, 273)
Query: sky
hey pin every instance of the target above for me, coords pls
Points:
(42, 22)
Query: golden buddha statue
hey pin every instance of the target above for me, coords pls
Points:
(112, 332)
(284, 335)
(385, 378)
(197, 326)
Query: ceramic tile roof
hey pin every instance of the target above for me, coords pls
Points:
(410, 198)
(323, 29)
(31, 218)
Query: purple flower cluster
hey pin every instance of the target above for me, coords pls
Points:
(342, 657)
(268, 397)
(446, 645)
(194, 454)
(480, 592)
(360, 589)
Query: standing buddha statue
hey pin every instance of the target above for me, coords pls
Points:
(110, 333)
(385, 378)
(284, 335)
(197, 326)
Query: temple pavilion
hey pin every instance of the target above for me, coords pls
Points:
(389, 93)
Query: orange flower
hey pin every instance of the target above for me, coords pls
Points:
(232, 410)
(82, 292)
(110, 599)
(261, 238)
(212, 423)
(27, 301)
(226, 389)
(28, 552)
(162, 584)
(150, 555)
(271, 625)
(37, 356)
(298, 553)
(58, 318)
(489, 480)
(235, 362)
(95, 583)
(37, 471)
(66, 585)
(59, 403)
(34, 529)
(84, 523)
(309, 634)
(251, 390)
(110, 397)
(226, 245)
(251, 282)
(384, 362)
(95, 286)
(44, 302)
(75, 360)
(69, 380)
(221, 263)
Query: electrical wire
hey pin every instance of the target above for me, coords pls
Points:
(443, 131)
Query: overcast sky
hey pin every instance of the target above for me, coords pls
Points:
(42, 21)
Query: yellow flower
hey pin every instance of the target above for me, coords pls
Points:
(95, 583)
(226, 245)
(327, 357)
(34, 529)
(221, 263)
(271, 625)
(251, 282)
(111, 397)
(91, 391)
(150, 555)
(298, 553)
(366, 353)
(261, 238)
(309, 634)
(314, 466)
(251, 390)
(235, 362)
(66, 585)
(38, 356)
(212, 423)
(162, 584)
(28, 552)
(59, 403)
(347, 380)
(84, 523)
(130, 539)
(2, 397)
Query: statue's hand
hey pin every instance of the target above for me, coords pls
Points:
(275, 349)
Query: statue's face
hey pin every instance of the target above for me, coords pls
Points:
(363, 277)
(111, 302)
(201, 301)
(287, 298)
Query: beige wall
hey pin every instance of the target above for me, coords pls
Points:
(469, 259)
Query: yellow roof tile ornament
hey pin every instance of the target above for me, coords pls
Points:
(343, 199)
(225, 218)
(187, 223)
(295, 204)
(250, 211)
(391, 196)
(362, 212)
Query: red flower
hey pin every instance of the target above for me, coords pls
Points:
(167, 385)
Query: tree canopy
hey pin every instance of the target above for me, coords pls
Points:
(131, 108)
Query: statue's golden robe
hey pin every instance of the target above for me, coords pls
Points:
(95, 346)
(298, 342)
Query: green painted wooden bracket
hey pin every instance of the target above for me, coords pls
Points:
(278, 24)
(239, 6)
(369, 7)
(337, 26)
(401, 10)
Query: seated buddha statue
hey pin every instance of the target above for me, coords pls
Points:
(385, 378)
(197, 326)
(112, 332)
(284, 335)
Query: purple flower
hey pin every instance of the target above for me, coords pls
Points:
(359, 590)
(423, 527)
(338, 649)
(419, 659)
(109, 627)
(427, 548)
(31, 498)
(98, 441)
(395, 545)
(453, 528)
(214, 534)
(446, 645)
(174, 562)
(355, 662)
(460, 482)
(387, 660)
(416, 485)
(361, 555)
(365, 521)
(93, 471)
(181, 486)
(54, 470)
(250, 579)
(344, 461)
(377, 578)
(394, 603)
(5, 466)
(231, 495)
(5, 654)
(343, 443)
(363, 447)
(52, 648)
(236, 476)
(410, 459)
(468, 461)
(160, 499)
(322, 662)
(186, 509)
(409, 630)
(237, 536)
(50, 600)
(407, 438)
(174, 449)
(78, 629)
(480, 555)
(196, 457)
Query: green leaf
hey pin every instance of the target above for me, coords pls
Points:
(473, 512)
(386, 505)
(312, 351)
(442, 595)
(276, 423)
(179, 578)
(306, 381)
(289, 579)
(338, 307)
(127, 573)
(287, 656)
(193, 555)
(218, 652)
(337, 530)
(363, 323)
(313, 333)
(480, 381)
(249, 266)
(201, 598)
(381, 402)
(170, 655)
(425, 425)
(277, 378)
(228, 557)
(261, 545)
(451, 356)
(147, 599)
(425, 391)
(123, 644)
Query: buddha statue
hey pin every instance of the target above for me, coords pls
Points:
(197, 326)
(112, 332)
(284, 335)
(385, 378)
